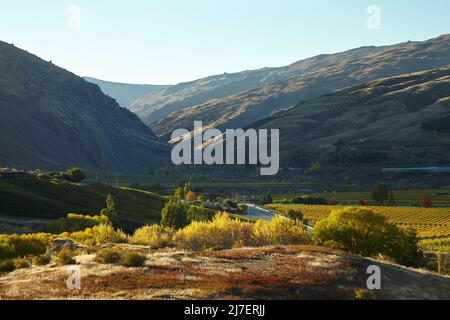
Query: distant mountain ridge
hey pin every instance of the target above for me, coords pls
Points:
(389, 121)
(303, 80)
(157, 105)
(126, 94)
(52, 119)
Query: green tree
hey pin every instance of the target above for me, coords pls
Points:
(367, 233)
(174, 214)
(110, 210)
(391, 198)
(380, 192)
(179, 193)
(187, 188)
(76, 174)
(295, 215)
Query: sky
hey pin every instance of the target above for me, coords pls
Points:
(172, 41)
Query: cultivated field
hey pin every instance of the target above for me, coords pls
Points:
(429, 222)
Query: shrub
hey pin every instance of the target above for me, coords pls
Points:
(107, 256)
(41, 260)
(100, 234)
(65, 257)
(14, 246)
(364, 232)
(133, 260)
(75, 222)
(21, 263)
(225, 233)
(279, 231)
(7, 266)
(76, 175)
(154, 236)
(221, 233)
(294, 214)
(364, 294)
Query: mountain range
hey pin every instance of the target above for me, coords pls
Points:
(53, 119)
(282, 88)
(400, 120)
(384, 105)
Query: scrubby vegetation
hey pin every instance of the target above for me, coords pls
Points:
(107, 256)
(154, 236)
(65, 257)
(15, 246)
(100, 234)
(133, 260)
(367, 233)
(76, 222)
(224, 233)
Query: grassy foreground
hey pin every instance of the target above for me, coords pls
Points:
(245, 273)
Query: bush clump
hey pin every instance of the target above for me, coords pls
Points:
(107, 256)
(65, 257)
(101, 234)
(21, 263)
(76, 222)
(41, 260)
(154, 236)
(14, 246)
(225, 233)
(7, 266)
(133, 260)
(279, 231)
(367, 233)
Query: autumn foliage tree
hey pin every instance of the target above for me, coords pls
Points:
(427, 202)
(367, 233)
(191, 196)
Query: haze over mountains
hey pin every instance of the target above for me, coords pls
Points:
(285, 87)
(126, 94)
(53, 119)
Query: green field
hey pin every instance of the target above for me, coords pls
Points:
(34, 198)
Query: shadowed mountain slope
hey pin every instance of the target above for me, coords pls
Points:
(52, 119)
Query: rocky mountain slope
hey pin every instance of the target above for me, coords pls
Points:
(184, 95)
(53, 119)
(307, 80)
(125, 94)
(394, 120)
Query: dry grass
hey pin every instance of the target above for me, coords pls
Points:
(281, 272)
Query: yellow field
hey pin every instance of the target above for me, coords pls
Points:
(429, 222)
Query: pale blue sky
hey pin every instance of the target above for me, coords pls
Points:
(170, 41)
